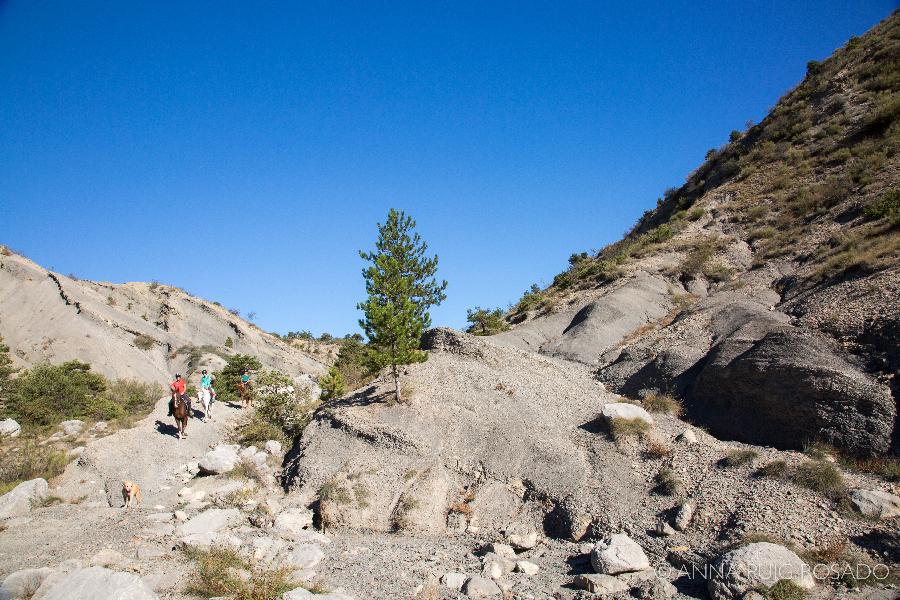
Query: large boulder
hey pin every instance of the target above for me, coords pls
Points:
(96, 583)
(19, 501)
(481, 587)
(618, 554)
(72, 426)
(753, 566)
(876, 503)
(783, 387)
(21, 585)
(220, 459)
(10, 428)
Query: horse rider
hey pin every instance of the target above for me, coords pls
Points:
(206, 381)
(179, 390)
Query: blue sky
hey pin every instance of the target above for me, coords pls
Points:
(245, 151)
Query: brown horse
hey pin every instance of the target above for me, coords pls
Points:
(181, 414)
(244, 393)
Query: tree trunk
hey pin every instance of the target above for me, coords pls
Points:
(396, 383)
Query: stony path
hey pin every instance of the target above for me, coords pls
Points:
(149, 454)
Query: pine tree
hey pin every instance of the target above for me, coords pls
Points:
(401, 288)
(6, 370)
(332, 384)
(485, 321)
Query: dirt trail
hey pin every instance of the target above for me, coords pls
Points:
(149, 454)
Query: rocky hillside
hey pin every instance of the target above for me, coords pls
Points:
(146, 331)
(764, 291)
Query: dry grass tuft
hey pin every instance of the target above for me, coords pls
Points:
(662, 403)
(621, 428)
(657, 447)
(736, 458)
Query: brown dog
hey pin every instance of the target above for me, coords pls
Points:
(131, 493)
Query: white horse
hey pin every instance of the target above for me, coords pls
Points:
(205, 398)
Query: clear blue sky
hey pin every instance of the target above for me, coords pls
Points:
(245, 150)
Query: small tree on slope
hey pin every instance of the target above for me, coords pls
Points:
(401, 288)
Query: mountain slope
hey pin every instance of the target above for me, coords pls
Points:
(146, 331)
(764, 290)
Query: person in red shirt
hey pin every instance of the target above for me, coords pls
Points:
(179, 390)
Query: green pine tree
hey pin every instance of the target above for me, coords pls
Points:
(332, 384)
(401, 288)
(485, 321)
(6, 371)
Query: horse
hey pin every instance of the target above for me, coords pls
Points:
(205, 398)
(244, 393)
(181, 414)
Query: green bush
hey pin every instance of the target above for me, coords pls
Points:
(229, 343)
(280, 402)
(484, 321)
(775, 469)
(736, 458)
(886, 207)
(228, 378)
(30, 462)
(662, 403)
(332, 384)
(351, 363)
(144, 342)
(48, 394)
(219, 573)
(821, 477)
(785, 590)
(667, 482)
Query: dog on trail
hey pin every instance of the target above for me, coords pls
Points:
(131, 493)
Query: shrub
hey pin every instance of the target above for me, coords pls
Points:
(280, 402)
(734, 136)
(30, 461)
(331, 491)
(761, 233)
(351, 363)
(667, 482)
(695, 213)
(736, 458)
(48, 394)
(228, 378)
(219, 572)
(775, 469)
(657, 447)
(821, 477)
(621, 427)
(531, 299)
(886, 207)
(229, 343)
(662, 403)
(785, 590)
(144, 342)
(483, 321)
(256, 431)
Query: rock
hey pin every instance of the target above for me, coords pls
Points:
(663, 528)
(777, 385)
(247, 453)
(527, 567)
(654, 588)
(492, 569)
(749, 567)
(220, 459)
(160, 517)
(454, 580)
(10, 428)
(97, 583)
(72, 427)
(305, 594)
(210, 539)
(180, 516)
(521, 537)
(503, 550)
(21, 585)
(876, 503)
(100, 426)
(77, 451)
(479, 587)
(273, 447)
(599, 584)
(683, 516)
(210, 520)
(107, 557)
(293, 520)
(18, 502)
(618, 554)
(687, 437)
(304, 556)
(625, 410)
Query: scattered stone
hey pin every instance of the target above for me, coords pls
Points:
(618, 554)
(479, 587)
(687, 437)
(147, 552)
(273, 447)
(663, 528)
(107, 557)
(181, 516)
(100, 426)
(18, 502)
(305, 594)
(97, 583)
(454, 580)
(10, 428)
(247, 453)
(210, 520)
(208, 540)
(71, 427)
(293, 520)
(527, 567)
(521, 537)
(220, 459)
(876, 503)
(625, 410)
(21, 585)
(503, 550)
(304, 556)
(683, 515)
(77, 451)
(599, 584)
(755, 565)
